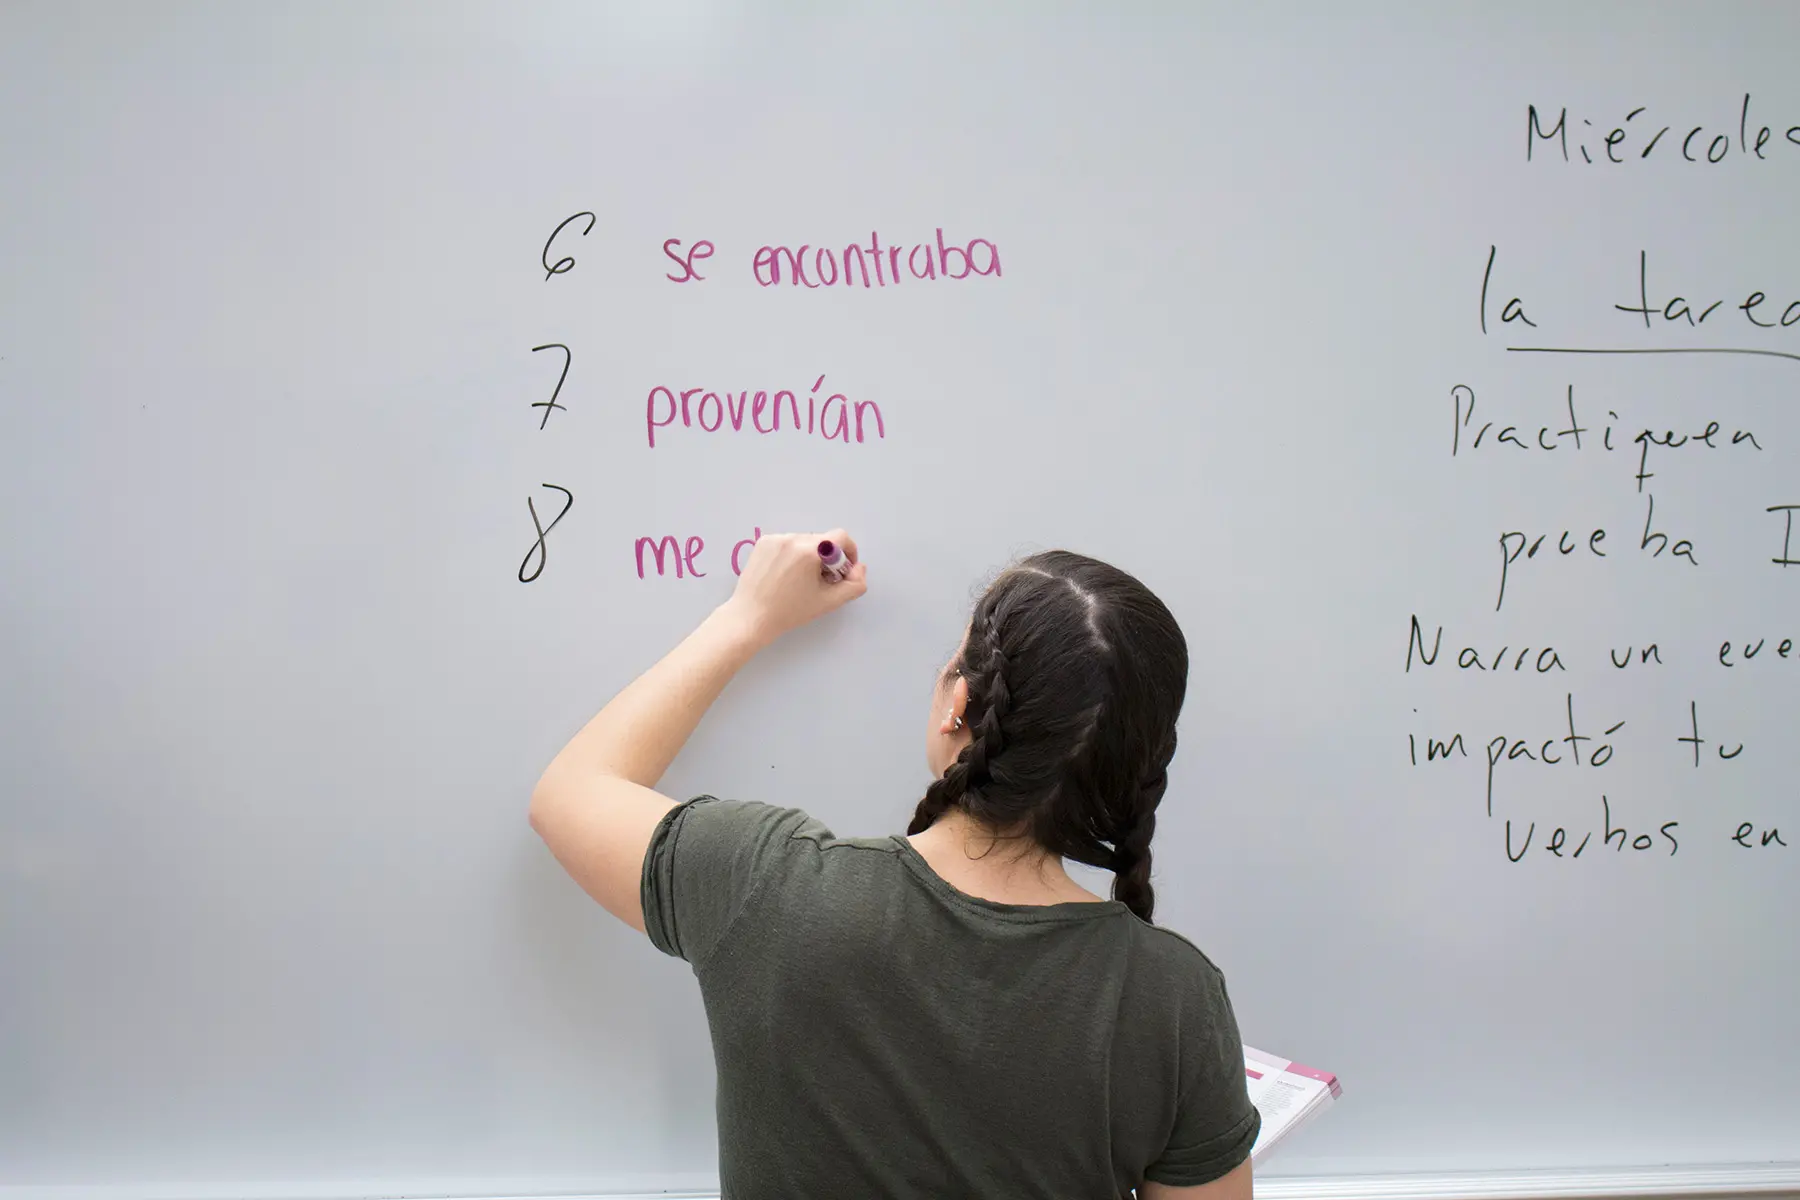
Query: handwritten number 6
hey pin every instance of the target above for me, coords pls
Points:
(565, 263)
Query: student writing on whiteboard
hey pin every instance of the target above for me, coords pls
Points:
(946, 1013)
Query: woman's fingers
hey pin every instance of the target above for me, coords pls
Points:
(842, 538)
(783, 585)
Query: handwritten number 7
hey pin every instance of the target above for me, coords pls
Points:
(551, 403)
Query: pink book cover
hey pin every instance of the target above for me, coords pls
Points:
(1258, 1063)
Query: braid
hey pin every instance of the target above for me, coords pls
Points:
(1131, 857)
(941, 796)
(992, 695)
(1131, 849)
(974, 767)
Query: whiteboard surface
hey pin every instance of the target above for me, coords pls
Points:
(275, 692)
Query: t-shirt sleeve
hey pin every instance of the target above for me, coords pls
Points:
(706, 858)
(1215, 1123)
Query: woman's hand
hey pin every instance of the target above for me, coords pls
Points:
(782, 587)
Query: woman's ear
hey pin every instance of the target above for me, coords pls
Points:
(959, 704)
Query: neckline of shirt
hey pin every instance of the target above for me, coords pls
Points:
(1066, 910)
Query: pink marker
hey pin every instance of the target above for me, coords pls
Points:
(833, 564)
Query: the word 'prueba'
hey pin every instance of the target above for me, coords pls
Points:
(1517, 544)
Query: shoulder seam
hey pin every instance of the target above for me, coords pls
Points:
(818, 841)
(1188, 942)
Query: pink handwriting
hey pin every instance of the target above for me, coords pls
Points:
(834, 417)
(699, 250)
(669, 555)
(874, 265)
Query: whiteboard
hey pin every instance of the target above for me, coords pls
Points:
(1225, 295)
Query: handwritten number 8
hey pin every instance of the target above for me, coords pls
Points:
(540, 549)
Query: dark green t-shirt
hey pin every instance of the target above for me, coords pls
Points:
(879, 1033)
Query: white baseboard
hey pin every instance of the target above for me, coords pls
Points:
(1767, 1181)
(1770, 1181)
